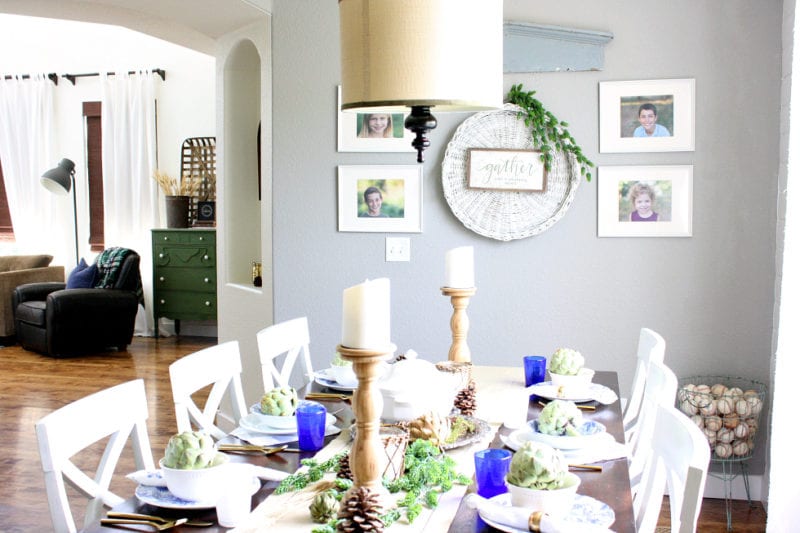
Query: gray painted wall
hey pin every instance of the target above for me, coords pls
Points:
(710, 296)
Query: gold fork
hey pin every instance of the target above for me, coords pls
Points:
(159, 526)
(154, 518)
(244, 448)
(327, 396)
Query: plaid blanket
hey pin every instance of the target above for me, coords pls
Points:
(108, 266)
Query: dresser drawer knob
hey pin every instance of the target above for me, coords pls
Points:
(205, 280)
(201, 238)
(161, 278)
(208, 304)
(161, 256)
(205, 257)
(163, 301)
(166, 238)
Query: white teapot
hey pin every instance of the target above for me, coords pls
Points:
(413, 387)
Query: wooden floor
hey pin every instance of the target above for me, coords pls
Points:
(32, 386)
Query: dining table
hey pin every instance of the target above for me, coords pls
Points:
(611, 485)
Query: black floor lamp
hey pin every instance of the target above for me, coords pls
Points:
(60, 180)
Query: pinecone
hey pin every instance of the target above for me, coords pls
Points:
(344, 471)
(466, 400)
(361, 512)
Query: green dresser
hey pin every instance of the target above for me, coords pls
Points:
(184, 275)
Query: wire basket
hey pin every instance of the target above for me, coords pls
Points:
(505, 215)
(727, 409)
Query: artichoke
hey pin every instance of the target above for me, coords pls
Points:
(560, 417)
(324, 506)
(339, 361)
(565, 362)
(537, 466)
(190, 450)
(279, 402)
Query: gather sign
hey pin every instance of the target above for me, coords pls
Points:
(505, 169)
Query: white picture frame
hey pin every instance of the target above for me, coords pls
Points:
(349, 126)
(400, 190)
(672, 105)
(670, 191)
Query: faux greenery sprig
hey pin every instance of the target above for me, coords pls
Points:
(548, 132)
(315, 472)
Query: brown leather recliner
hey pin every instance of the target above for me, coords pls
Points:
(62, 322)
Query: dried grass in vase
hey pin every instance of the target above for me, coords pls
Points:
(172, 187)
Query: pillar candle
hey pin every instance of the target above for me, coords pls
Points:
(366, 315)
(459, 268)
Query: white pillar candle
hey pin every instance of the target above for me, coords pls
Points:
(459, 266)
(366, 315)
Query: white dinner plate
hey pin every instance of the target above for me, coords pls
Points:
(162, 497)
(585, 511)
(325, 378)
(590, 432)
(548, 391)
(255, 423)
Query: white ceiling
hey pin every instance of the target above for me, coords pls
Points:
(195, 24)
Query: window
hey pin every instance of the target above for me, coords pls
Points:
(94, 168)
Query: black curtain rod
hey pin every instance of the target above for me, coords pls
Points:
(72, 77)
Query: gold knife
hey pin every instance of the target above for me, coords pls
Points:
(266, 450)
(154, 518)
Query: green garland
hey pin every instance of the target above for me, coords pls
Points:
(429, 472)
(548, 132)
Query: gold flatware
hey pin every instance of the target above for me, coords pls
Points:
(159, 526)
(247, 448)
(328, 396)
(595, 468)
(154, 518)
(579, 406)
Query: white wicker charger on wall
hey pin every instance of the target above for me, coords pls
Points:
(505, 215)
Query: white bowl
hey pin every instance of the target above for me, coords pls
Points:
(556, 503)
(574, 384)
(343, 375)
(273, 421)
(203, 484)
(414, 387)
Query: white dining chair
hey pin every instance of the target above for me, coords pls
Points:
(659, 390)
(651, 348)
(679, 462)
(280, 347)
(118, 412)
(218, 366)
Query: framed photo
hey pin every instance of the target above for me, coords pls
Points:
(505, 169)
(644, 201)
(371, 132)
(647, 116)
(385, 198)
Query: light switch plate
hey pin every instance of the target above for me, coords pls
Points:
(398, 249)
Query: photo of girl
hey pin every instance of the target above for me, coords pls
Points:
(641, 201)
(379, 125)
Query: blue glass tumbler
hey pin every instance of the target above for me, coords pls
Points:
(311, 425)
(535, 369)
(491, 467)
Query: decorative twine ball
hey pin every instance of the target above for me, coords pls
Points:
(719, 390)
(688, 407)
(684, 392)
(725, 405)
(702, 396)
(723, 450)
(755, 404)
(740, 448)
(698, 421)
(725, 435)
(735, 392)
(714, 423)
(741, 431)
(752, 423)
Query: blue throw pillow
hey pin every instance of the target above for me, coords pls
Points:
(83, 276)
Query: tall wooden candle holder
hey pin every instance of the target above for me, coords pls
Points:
(459, 323)
(367, 449)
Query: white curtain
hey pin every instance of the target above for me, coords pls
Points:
(130, 194)
(42, 221)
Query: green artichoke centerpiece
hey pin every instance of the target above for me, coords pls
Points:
(338, 360)
(566, 362)
(190, 450)
(537, 466)
(280, 401)
(560, 417)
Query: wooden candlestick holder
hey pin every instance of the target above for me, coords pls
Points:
(367, 449)
(459, 323)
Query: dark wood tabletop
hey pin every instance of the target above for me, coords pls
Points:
(610, 486)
